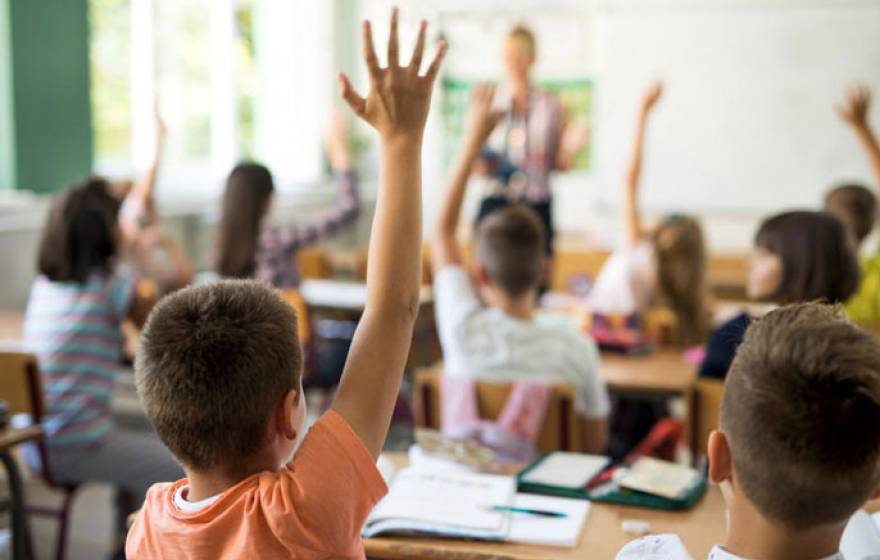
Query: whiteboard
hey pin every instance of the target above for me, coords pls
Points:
(747, 122)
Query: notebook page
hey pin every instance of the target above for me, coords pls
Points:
(567, 470)
(446, 499)
(552, 531)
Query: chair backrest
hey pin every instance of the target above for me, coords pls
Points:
(561, 428)
(706, 410)
(312, 262)
(303, 324)
(20, 384)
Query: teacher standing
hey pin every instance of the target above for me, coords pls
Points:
(531, 141)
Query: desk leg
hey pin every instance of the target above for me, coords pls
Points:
(16, 498)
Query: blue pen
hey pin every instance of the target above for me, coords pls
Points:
(538, 512)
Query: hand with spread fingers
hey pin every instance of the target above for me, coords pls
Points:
(483, 116)
(400, 96)
(854, 109)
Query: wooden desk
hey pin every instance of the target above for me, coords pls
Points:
(664, 371)
(700, 528)
(340, 300)
(344, 296)
(9, 438)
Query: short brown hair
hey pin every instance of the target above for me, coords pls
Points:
(213, 364)
(523, 34)
(855, 206)
(801, 412)
(510, 246)
(818, 257)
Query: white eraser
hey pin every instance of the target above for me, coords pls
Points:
(635, 527)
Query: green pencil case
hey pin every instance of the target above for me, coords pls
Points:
(603, 489)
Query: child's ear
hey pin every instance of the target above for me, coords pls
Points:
(481, 275)
(720, 461)
(284, 421)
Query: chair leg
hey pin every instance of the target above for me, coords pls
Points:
(16, 500)
(63, 522)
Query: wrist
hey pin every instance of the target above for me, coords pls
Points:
(401, 140)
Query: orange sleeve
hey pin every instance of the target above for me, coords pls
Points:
(321, 500)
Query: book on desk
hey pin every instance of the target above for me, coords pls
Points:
(430, 502)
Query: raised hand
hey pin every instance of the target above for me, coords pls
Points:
(399, 98)
(651, 96)
(854, 108)
(161, 128)
(483, 116)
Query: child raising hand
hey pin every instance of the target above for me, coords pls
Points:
(235, 343)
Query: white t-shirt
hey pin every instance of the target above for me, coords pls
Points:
(485, 343)
(670, 547)
(627, 281)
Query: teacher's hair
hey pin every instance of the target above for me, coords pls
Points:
(523, 34)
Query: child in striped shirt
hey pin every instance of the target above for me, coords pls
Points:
(72, 324)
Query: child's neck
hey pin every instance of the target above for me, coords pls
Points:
(211, 482)
(751, 535)
(522, 307)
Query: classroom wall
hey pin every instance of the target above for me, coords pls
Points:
(46, 111)
(746, 128)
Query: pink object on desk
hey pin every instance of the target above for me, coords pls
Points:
(695, 355)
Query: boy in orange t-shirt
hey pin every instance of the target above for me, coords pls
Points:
(219, 375)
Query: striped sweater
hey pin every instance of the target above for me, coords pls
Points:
(74, 329)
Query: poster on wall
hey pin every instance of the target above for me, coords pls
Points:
(564, 64)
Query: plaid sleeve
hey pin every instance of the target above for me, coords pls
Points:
(284, 240)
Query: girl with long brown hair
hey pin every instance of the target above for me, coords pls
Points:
(247, 248)
(664, 265)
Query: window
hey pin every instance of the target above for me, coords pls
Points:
(235, 79)
(109, 67)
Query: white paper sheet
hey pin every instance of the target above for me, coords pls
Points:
(567, 470)
(551, 531)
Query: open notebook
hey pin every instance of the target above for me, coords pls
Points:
(424, 501)
(450, 504)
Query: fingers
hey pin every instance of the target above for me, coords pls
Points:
(415, 63)
(370, 57)
(434, 68)
(393, 58)
(355, 101)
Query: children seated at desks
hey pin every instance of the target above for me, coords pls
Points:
(798, 257)
(249, 248)
(665, 265)
(857, 207)
(219, 375)
(798, 448)
(73, 325)
(502, 340)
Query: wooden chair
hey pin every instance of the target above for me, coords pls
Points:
(705, 412)
(303, 327)
(561, 429)
(21, 387)
(312, 262)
